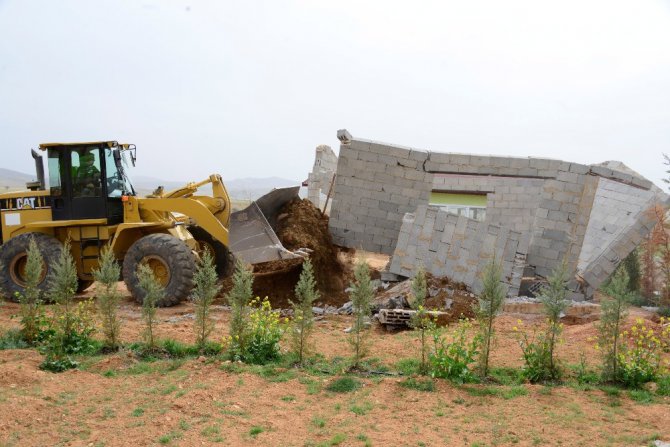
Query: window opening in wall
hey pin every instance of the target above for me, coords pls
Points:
(472, 205)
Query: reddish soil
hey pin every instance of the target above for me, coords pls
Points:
(111, 401)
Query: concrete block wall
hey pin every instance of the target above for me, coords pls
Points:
(319, 180)
(458, 247)
(510, 200)
(375, 186)
(549, 201)
(620, 219)
(616, 207)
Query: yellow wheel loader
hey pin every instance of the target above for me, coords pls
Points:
(90, 201)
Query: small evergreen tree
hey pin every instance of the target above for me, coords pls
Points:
(31, 300)
(361, 297)
(613, 311)
(108, 296)
(154, 292)
(490, 302)
(632, 265)
(303, 316)
(553, 298)
(62, 289)
(204, 292)
(420, 320)
(72, 325)
(239, 298)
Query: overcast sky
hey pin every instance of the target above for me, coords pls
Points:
(250, 88)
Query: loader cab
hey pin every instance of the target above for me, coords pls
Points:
(88, 180)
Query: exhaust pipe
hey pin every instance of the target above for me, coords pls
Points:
(39, 168)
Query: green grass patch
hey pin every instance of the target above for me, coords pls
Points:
(497, 391)
(408, 367)
(507, 376)
(418, 384)
(273, 373)
(321, 366)
(337, 439)
(344, 385)
(169, 437)
(137, 412)
(663, 384)
(641, 396)
(318, 422)
(313, 386)
(13, 339)
(361, 409)
(611, 391)
(256, 430)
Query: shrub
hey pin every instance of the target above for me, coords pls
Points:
(536, 354)
(239, 297)
(303, 317)
(343, 385)
(108, 296)
(640, 356)
(453, 359)
(13, 339)
(612, 315)
(263, 334)
(490, 303)
(154, 292)
(203, 295)
(361, 297)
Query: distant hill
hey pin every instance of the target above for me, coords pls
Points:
(244, 189)
(241, 189)
(11, 180)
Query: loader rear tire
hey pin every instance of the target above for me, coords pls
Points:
(170, 259)
(223, 258)
(13, 257)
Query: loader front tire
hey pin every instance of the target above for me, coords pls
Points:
(170, 259)
(223, 258)
(13, 258)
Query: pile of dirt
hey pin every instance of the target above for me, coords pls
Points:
(301, 225)
(444, 295)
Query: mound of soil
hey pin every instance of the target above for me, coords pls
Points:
(301, 225)
(443, 295)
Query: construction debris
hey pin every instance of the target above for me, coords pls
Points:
(453, 212)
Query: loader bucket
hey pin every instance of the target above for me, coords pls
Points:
(252, 230)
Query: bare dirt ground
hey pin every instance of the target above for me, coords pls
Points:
(116, 400)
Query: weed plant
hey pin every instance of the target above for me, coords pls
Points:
(453, 357)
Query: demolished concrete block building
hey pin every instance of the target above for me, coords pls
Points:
(452, 212)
